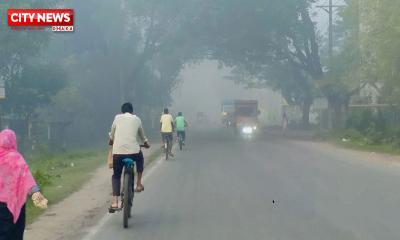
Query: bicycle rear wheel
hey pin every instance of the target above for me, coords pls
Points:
(128, 193)
(169, 147)
(132, 194)
(180, 143)
(166, 149)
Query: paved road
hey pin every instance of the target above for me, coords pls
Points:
(220, 188)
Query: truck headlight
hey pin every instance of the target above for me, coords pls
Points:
(247, 130)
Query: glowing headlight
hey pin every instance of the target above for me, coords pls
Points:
(255, 127)
(247, 130)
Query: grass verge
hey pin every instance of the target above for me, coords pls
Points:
(358, 143)
(59, 175)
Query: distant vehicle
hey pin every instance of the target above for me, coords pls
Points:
(227, 112)
(241, 115)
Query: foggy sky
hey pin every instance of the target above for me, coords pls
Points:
(204, 87)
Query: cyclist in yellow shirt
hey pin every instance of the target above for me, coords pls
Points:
(167, 128)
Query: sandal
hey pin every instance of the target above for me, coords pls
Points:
(113, 209)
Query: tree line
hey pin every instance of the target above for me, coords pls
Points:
(366, 59)
(134, 51)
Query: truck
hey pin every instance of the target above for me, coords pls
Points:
(241, 115)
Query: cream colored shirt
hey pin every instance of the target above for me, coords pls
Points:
(166, 123)
(125, 132)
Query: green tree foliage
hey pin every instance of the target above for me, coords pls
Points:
(270, 43)
(368, 55)
(343, 78)
(120, 51)
(16, 46)
(384, 34)
(29, 80)
(31, 88)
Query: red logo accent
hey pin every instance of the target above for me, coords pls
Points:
(40, 17)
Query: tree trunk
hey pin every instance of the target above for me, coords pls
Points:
(306, 113)
(330, 115)
(338, 107)
(338, 116)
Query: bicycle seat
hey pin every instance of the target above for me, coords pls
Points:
(128, 162)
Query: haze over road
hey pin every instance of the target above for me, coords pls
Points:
(221, 188)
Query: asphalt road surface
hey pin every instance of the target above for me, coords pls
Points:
(222, 188)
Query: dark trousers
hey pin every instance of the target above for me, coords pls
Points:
(167, 136)
(182, 133)
(9, 230)
(118, 166)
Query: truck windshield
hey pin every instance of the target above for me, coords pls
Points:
(247, 111)
(228, 108)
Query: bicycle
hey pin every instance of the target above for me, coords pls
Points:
(167, 146)
(127, 192)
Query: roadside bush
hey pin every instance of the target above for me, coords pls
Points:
(392, 135)
(373, 127)
(360, 120)
(353, 134)
(42, 179)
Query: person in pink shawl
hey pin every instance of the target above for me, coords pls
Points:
(16, 184)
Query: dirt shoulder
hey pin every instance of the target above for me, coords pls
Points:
(368, 156)
(82, 209)
(309, 138)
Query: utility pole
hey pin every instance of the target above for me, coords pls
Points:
(329, 9)
(330, 29)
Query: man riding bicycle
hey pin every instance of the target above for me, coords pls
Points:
(181, 124)
(125, 131)
(167, 127)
